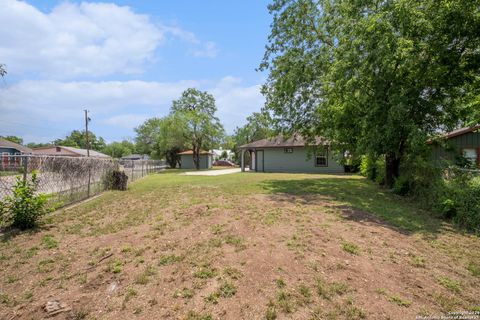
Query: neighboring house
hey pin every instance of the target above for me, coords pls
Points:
(459, 144)
(67, 151)
(10, 149)
(186, 160)
(136, 157)
(291, 154)
(217, 154)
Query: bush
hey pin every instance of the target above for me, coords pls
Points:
(373, 168)
(24, 207)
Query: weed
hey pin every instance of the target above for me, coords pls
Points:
(217, 229)
(28, 295)
(116, 266)
(169, 259)
(205, 272)
(213, 297)
(400, 301)
(271, 313)
(235, 241)
(418, 261)
(450, 284)
(305, 294)
(474, 269)
(184, 293)
(192, 315)
(11, 279)
(227, 290)
(350, 247)
(327, 291)
(280, 283)
(144, 277)
(6, 300)
(46, 265)
(215, 242)
(49, 242)
(233, 273)
(78, 314)
(284, 301)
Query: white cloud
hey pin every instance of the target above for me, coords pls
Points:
(127, 121)
(86, 39)
(53, 108)
(208, 50)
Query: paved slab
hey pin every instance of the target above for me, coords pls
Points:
(212, 172)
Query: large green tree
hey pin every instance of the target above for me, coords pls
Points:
(119, 149)
(147, 136)
(258, 126)
(78, 139)
(196, 110)
(376, 77)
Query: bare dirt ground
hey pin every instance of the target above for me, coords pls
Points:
(227, 248)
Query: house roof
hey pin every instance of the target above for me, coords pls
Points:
(461, 131)
(78, 151)
(283, 142)
(9, 144)
(191, 152)
(136, 156)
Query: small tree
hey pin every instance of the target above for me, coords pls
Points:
(24, 207)
(196, 110)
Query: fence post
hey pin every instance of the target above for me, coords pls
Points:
(133, 163)
(143, 162)
(25, 167)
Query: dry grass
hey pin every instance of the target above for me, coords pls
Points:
(241, 246)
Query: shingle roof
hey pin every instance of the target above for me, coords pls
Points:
(10, 144)
(461, 131)
(83, 152)
(191, 152)
(282, 142)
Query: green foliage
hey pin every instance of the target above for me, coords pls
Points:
(78, 139)
(195, 111)
(23, 209)
(373, 168)
(14, 139)
(372, 77)
(119, 149)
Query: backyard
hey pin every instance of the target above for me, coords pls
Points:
(241, 246)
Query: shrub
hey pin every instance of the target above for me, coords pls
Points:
(373, 168)
(24, 207)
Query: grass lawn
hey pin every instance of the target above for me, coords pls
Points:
(241, 246)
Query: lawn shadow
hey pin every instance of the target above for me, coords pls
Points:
(358, 200)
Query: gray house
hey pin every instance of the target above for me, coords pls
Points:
(457, 145)
(186, 160)
(291, 154)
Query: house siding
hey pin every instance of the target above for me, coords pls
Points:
(11, 151)
(470, 140)
(276, 160)
(187, 161)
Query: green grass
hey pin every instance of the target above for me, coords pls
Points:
(450, 284)
(350, 247)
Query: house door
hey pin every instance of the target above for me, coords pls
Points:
(5, 160)
(260, 161)
(253, 161)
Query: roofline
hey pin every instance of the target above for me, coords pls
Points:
(455, 133)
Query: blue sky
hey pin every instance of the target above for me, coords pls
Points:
(125, 61)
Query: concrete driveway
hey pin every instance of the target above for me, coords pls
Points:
(212, 172)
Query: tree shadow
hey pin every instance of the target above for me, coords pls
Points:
(358, 200)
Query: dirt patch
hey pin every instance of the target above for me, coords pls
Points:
(194, 252)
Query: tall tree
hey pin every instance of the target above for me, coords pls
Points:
(376, 77)
(173, 138)
(259, 126)
(196, 109)
(77, 139)
(119, 149)
(147, 136)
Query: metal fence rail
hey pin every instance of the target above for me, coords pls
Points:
(69, 179)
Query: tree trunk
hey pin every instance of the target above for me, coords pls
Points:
(392, 168)
(196, 156)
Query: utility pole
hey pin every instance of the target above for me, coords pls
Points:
(87, 119)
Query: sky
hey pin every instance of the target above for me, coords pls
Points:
(125, 61)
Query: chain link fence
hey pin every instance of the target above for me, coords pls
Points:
(70, 179)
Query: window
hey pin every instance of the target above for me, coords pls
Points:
(470, 155)
(321, 159)
(288, 150)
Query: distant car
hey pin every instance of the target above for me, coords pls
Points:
(224, 163)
